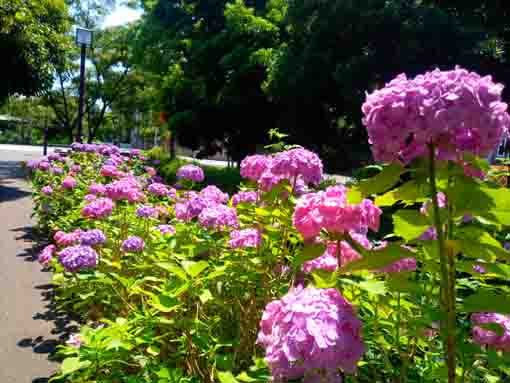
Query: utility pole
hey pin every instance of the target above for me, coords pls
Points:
(84, 39)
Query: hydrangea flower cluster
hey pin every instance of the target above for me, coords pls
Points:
(404, 264)
(57, 170)
(298, 162)
(187, 210)
(240, 239)
(218, 217)
(46, 255)
(244, 197)
(166, 229)
(97, 189)
(329, 210)
(74, 341)
(490, 338)
(76, 258)
(126, 188)
(457, 111)
(146, 212)
(190, 172)
(44, 165)
(69, 183)
(110, 171)
(97, 209)
(92, 237)
(161, 190)
(133, 244)
(67, 239)
(252, 167)
(310, 329)
(47, 190)
(213, 193)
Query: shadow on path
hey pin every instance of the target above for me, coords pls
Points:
(62, 324)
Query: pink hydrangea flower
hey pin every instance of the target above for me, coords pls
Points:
(47, 190)
(126, 188)
(458, 111)
(213, 193)
(110, 171)
(150, 171)
(490, 338)
(160, 190)
(244, 197)
(76, 168)
(310, 330)
(90, 197)
(252, 167)
(97, 189)
(245, 238)
(426, 207)
(44, 166)
(67, 239)
(298, 162)
(191, 208)
(329, 210)
(218, 217)
(190, 172)
(46, 255)
(69, 183)
(74, 341)
(100, 208)
(404, 264)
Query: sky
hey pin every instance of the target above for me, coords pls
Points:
(122, 15)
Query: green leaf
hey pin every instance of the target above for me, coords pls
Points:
(206, 296)
(388, 177)
(174, 269)
(194, 268)
(309, 252)
(409, 224)
(399, 282)
(165, 303)
(409, 193)
(153, 350)
(376, 259)
(70, 365)
(477, 243)
(487, 301)
(226, 377)
(244, 377)
(324, 279)
(373, 287)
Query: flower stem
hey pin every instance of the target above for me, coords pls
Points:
(448, 326)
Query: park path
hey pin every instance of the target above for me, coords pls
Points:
(29, 327)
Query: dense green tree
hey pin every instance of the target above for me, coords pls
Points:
(32, 33)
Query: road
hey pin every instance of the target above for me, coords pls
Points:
(28, 331)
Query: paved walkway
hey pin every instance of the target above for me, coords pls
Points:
(29, 328)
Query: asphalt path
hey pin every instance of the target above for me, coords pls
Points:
(29, 326)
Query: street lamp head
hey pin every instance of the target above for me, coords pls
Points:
(83, 36)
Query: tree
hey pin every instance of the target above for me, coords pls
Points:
(31, 33)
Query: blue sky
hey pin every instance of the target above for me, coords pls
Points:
(122, 15)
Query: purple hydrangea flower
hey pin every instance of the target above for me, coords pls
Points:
(97, 189)
(189, 209)
(310, 330)
(92, 237)
(57, 170)
(133, 244)
(44, 165)
(191, 172)
(160, 190)
(166, 229)
(76, 168)
(90, 197)
(252, 167)
(146, 212)
(77, 258)
(74, 341)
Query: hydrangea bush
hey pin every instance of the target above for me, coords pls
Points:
(401, 277)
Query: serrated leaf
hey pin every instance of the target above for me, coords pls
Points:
(194, 269)
(409, 193)
(477, 243)
(165, 303)
(487, 301)
(309, 252)
(409, 224)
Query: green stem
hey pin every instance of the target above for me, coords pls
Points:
(448, 326)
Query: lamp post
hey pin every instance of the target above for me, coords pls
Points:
(83, 39)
